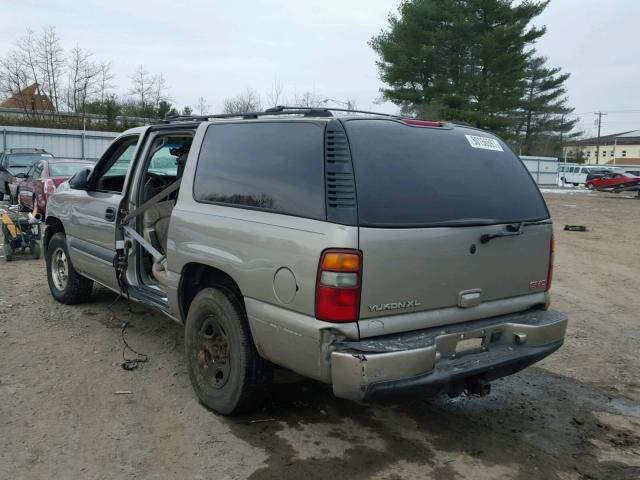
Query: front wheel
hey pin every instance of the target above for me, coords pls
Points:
(225, 369)
(66, 285)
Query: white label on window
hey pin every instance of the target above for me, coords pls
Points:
(485, 143)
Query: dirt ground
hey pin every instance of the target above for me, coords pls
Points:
(576, 415)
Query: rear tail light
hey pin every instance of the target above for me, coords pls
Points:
(49, 186)
(552, 251)
(338, 286)
(421, 123)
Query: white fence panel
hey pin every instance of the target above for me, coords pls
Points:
(60, 142)
(544, 170)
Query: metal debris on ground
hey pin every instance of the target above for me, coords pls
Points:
(576, 228)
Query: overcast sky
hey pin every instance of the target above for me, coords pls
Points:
(216, 49)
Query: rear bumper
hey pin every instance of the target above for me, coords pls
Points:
(427, 360)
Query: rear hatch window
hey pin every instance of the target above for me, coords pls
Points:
(21, 160)
(408, 176)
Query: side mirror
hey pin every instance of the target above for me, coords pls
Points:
(80, 179)
(20, 175)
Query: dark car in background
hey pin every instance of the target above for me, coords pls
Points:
(14, 164)
(42, 180)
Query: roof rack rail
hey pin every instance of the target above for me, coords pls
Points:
(277, 110)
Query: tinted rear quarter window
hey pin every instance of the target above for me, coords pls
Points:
(415, 176)
(273, 166)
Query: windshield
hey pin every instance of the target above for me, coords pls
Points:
(416, 177)
(25, 159)
(66, 169)
(163, 161)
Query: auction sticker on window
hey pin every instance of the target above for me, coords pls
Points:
(485, 143)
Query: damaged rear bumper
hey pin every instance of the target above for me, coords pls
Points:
(436, 360)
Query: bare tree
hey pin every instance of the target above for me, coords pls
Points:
(105, 85)
(28, 48)
(202, 107)
(308, 100)
(14, 77)
(84, 79)
(142, 87)
(247, 101)
(49, 58)
(159, 92)
(274, 95)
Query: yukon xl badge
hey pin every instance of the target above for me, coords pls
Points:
(381, 307)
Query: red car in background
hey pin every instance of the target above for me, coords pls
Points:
(43, 178)
(613, 180)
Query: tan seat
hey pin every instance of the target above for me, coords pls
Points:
(156, 219)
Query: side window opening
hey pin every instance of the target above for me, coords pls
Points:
(112, 174)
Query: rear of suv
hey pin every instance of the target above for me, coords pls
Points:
(374, 253)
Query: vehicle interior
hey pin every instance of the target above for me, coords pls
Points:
(164, 165)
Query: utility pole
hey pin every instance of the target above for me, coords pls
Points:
(561, 138)
(599, 114)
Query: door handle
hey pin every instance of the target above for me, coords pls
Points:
(110, 214)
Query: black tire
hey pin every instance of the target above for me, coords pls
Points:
(217, 331)
(8, 251)
(576, 184)
(70, 288)
(35, 250)
(1, 195)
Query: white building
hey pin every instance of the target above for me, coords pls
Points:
(617, 149)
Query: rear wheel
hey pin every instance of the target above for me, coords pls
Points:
(66, 285)
(226, 372)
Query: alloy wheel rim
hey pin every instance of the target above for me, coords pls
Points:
(60, 269)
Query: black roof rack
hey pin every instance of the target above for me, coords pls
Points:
(25, 150)
(278, 110)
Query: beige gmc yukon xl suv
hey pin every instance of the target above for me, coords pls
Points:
(371, 252)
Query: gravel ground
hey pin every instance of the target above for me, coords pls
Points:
(576, 415)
